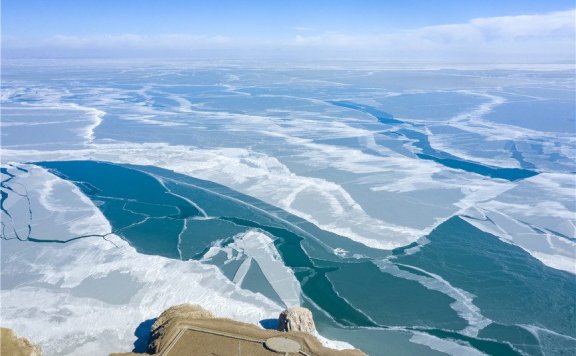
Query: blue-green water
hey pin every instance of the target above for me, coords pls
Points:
(148, 206)
(506, 281)
(404, 160)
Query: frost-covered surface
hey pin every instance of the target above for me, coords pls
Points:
(59, 295)
(70, 308)
(97, 289)
(536, 215)
(317, 143)
(256, 247)
(41, 206)
(333, 209)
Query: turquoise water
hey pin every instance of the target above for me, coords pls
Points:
(506, 281)
(369, 153)
(148, 207)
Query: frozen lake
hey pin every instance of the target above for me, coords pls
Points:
(428, 210)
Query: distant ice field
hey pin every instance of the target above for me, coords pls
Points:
(430, 210)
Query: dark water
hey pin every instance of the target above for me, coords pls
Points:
(511, 287)
(163, 213)
(427, 152)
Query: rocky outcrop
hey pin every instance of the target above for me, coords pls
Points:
(190, 330)
(12, 345)
(296, 319)
(170, 318)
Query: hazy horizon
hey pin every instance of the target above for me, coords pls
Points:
(513, 32)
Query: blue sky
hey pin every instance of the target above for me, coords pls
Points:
(442, 29)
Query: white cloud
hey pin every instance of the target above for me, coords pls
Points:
(545, 36)
(553, 24)
(542, 37)
(556, 25)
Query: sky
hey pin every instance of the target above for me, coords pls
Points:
(415, 30)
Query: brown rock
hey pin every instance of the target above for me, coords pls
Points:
(170, 317)
(12, 345)
(296, 319)
(190, 330)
